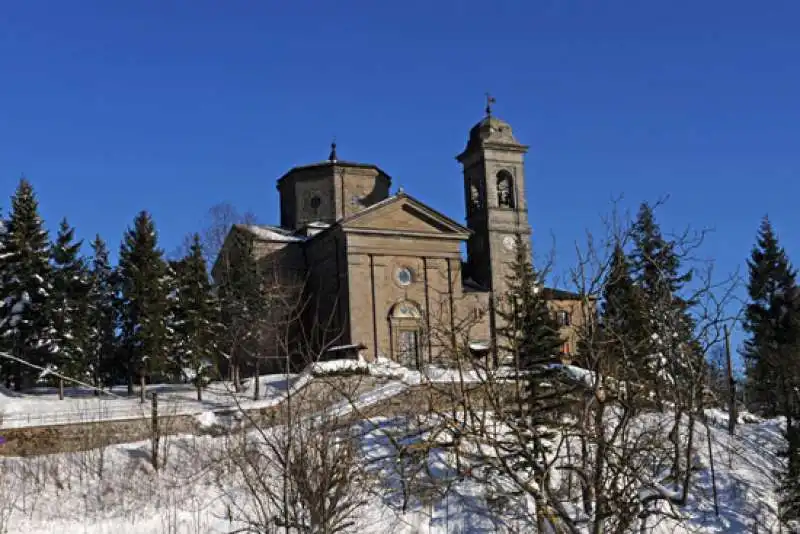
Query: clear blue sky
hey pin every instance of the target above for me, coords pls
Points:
(114, 107)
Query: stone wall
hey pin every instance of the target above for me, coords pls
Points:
(32, 441)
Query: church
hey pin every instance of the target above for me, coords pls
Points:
(384, 272)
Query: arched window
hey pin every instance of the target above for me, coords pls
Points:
(505, 189)
(405, 328)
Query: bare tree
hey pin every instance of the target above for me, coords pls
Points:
(299, 468)
(601, 444)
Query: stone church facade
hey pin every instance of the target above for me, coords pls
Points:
(383, 272)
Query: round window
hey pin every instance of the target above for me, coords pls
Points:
(404, 276)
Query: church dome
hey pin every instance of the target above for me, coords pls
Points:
(492, 129)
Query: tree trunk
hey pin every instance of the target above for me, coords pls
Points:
(540, 513)
(675, 438)
(237, 379)
(586, 491)
(156, 433)
(199, 391)
(141, 387)
(17, 376)
(60, 388)
(599, 472)
(257, 384)
(687, 477)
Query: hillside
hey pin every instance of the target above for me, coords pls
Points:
(115, 490)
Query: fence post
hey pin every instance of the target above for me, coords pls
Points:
(155, 436)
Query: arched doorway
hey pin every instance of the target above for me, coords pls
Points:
(405, 330)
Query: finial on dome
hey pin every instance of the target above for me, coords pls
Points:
(332, 155)
(489, 101)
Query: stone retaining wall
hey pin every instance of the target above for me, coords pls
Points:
(36, 440)
(319, 393)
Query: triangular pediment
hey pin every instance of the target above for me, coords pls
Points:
(406, 215)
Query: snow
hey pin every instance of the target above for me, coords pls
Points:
(131, 497)
(207, 419)
(269, 233)
(66, 496)
(479, 345)
(41, 406)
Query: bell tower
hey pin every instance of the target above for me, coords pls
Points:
(494, 188)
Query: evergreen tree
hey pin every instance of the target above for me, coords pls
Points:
(69, 304)
(770, 277)
(621, 312)
(669, 355)
(530, 334)
(102, 318)
(142, 302)
(26, 319)
(245, 309)
(197, 324)
(772, 352)
(531, 331)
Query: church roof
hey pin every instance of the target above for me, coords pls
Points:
(400, 195)
(491, 131)
(332, 161)
(330, 164)
(266, 232)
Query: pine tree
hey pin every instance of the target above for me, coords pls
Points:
(26, 319)
(197, 327)
(667, 328)
(530, 334)
(69, 304)
(142, 303)
(621, 313)
(245, 309)
(770, 275)
(772, 352)
(102, 318)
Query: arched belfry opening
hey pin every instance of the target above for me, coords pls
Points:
(405, 331)
(505, 189)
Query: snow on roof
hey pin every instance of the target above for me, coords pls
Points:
(479, 345)
(271, 233)
(354, 346)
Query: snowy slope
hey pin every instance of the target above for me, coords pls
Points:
(62, 493)
(41, 406)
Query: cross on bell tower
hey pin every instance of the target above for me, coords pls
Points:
(489, 101)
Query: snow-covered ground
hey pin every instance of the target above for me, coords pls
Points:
(63, 493)
(42, 407)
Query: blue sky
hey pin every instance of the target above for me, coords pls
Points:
(114, 107)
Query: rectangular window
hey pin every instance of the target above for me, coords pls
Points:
(563, 318)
